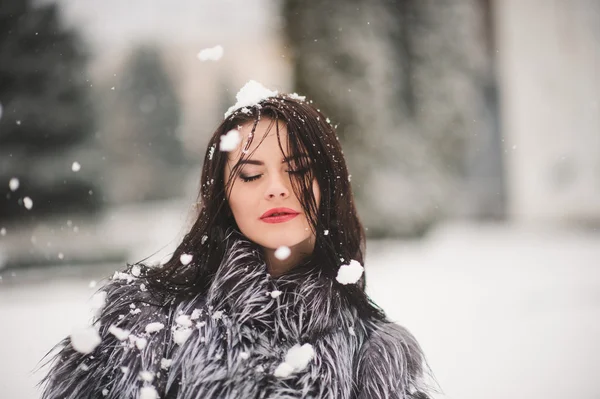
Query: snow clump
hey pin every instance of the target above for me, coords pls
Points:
(296, 359)
(13, 184)
(154, 327)
(211, 54)
(119, 333)
(230, 141)
(350, 274)
(85, 340)
(185, 259)
(282, 252)
(250, 95)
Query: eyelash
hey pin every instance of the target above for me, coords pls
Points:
(248, 179)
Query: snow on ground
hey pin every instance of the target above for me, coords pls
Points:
(500, 312)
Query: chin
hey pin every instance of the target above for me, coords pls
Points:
(274, 240)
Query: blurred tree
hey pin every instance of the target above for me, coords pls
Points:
(141, 119)
(46, 121)
(411, 84)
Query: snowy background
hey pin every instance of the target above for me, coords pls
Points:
(471, 129)
(501, 311)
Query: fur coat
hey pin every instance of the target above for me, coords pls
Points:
(250, 336)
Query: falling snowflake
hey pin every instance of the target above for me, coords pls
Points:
(282, 252)
(27, 202)
(275, 294)
(350, 274)
(211, 54)
(76, 167)
(230, 141)
(185, 259)
(13, 184)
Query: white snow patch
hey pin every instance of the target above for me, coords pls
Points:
(251, 94)
(154, 327)
(282, 252)
(135, 271)
(196, 313)
(350, 274)
(183, 320)
(211, 54)
(28, 202)
(148, 392)
(85, 340)
(143, 287)
(296, 359)
(13, 184)
(141, 343)
(75, 167)
(230, 141)
(185, 259)
(296, 96)
(204, 238)
(124, 369)
(275, 294)
(217, 315)
(283, 370)
(165, 363)
(180, 336)
(123, 276)
(244, 355)
(146, 376)
(105, 392)
(299, 356)
(119, 333)
(326, 232)
(98, 301)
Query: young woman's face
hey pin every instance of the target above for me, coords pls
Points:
(264, 183)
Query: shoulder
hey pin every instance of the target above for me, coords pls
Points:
(390, 363)
(131, 331)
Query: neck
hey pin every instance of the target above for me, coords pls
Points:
(299, 252)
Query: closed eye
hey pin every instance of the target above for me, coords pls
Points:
(248, 179)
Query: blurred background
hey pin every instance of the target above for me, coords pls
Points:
(471, 129)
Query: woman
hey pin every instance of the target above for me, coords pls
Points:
(264, 297)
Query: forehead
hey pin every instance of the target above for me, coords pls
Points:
(265, 143)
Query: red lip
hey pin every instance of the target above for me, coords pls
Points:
(285, 214)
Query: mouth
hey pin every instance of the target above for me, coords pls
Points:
(278, 215)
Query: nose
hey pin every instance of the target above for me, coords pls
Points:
(278, 187)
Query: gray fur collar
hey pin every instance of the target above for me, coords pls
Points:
(235, 342)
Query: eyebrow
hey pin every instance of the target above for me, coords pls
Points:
(260, 163)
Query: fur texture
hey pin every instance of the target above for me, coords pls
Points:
(237, 336)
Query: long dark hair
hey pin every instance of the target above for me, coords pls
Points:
(339, 233)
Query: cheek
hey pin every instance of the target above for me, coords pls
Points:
(316, 192)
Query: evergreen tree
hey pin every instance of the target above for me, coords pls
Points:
(412, 86)
(140, 131)
(46, 120)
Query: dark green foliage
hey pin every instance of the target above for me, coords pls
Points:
(47, 119)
